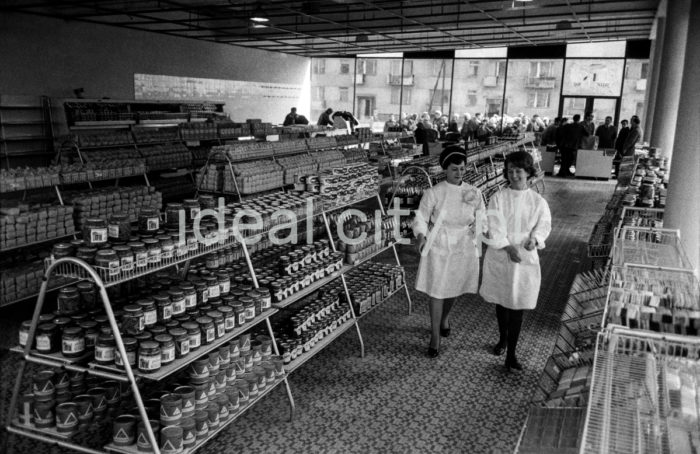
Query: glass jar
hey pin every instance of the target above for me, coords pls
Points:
(167, 247)
(192, 243)
(172, 214)
(149, 357)
(133, 320)
(212, 261)
(192, 209)
(239, 310)
(180, 242)
(202, 289)
(164, 309)
(182, 341)
(68, 301)
(140, 254)
(219, 323)
(149, 221)
(224, 280)
(167, 348)
(207, 201)
(177, 296)
(91, 331)
(95, 231)
(212, 286)
(87, 254)
(194, 334)
(153, 249)
(190, 294)
(119, 227)
(104, 349)
(107, 261)
(249, 306)
(61, 250)
(229, 317)
(257, 301)
(265, 298)
(208, 329)
(73, 342)
(48, 338)
(24, 332)
(130, 344)
(150, 312)
(126, 257)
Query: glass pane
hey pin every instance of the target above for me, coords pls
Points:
(378, 91)
(634, 89)
(600, 49)
(533, 88)
(430, 86)
(478, 87)
(573, 106)
(331, 86)
(603, 108)
(593, 77)
(485, 52)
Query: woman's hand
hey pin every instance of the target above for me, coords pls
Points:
(420, 243)
(513, 254)
(530, 244)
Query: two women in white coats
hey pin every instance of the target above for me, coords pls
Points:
(445, 231)
(519, 222)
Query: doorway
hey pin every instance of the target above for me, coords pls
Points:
(600, 107)
(365, 107)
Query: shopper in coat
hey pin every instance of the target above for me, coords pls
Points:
(571, 136)
(634, 136)
(606, 134)
(293, 118)
(449, 264)
(421, 136)
(519, 222)
(325, 118)
(619, 143)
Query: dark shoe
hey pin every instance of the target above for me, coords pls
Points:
(433, 352)
(513, 364)
(445, 332)
(499, 348)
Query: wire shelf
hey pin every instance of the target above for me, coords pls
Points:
(585, 303)
(589, 280)
(643, 395)
(655, 299)
(564, 381)
(641, 217)
(579, 333)
(650, 246)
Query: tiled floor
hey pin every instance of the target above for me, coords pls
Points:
(396, 400)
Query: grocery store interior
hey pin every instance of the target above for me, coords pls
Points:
(198, 251)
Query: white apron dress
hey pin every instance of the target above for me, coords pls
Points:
(449, 264)
(526, 215)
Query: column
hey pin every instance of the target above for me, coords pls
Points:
(653, 76)
(669, 84)
(683, 203)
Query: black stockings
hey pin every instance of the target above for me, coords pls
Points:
(509, 323)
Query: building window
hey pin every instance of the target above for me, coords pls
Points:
(318, 66)
(473, 70)
(439, 99)
(319, 93)
(538, 99)
(396, 95)
(395, 68)
(471, 97)
(344, 68)
(439, 67)
(639, 110)
(541, 69)
(501, 68)
(644, 71)
(367, 66)
(407, 68)
(343, 94)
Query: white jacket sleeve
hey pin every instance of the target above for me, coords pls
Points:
(425, 209)
(543, 225)
(498, 224)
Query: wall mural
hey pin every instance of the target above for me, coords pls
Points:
(593, 77)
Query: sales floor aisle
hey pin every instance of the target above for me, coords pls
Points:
(396, 400)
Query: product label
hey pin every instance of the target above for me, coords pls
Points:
(211, 334)
(257, 357)
(225, 287)
(149, 362)
(267, 302)
(105, 354)
(249, 313)
(168, 252)
(214, 291)
(43, 342)
(23, 336)
(113, 231)
(205, 295)
(229, 323)
(220, 329)
(150, 317)
(98, 236)
(195, 340)
(182, 248)
(90, 339)
(113, 267)
(184, 347)
(192, 244)
(127, 263)
(152, 224)
(203, 430)
(191, 300)
(71, 346)
(154, 255)
(141, 259)
(179, 306)
(167, 354)
(130, 356)
(241, 318)
(167, 312)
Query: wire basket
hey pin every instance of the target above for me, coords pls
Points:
(564, 381)
(652, 298)
(578, 334)
(552, 431)
(650, 246)
(589, 280)
(643, 394)
(641, 217)
(585, 303)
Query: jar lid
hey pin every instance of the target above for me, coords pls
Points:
(73, 331)
(177, 332)
(87, 250)
(149, 241)
(145, 303)
(190, 326)
(186, 286)
(215, 314)
(163, 338)
(119, 217)
(173, 205)
(132, 308)
(129, 341)
(106, 337)
(47, 327)
(106, 252)
(204, 320)
(149, 345)
(62, 246)
(88, 324)
(94, 221)
(135, 244)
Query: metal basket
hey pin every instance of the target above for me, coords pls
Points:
(559, 365)
(635, 404)
(650, 246)
(641, 217)
(579, 334)
(585, 303)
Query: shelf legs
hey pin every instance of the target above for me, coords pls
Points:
(292, 405)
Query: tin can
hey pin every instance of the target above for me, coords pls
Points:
(124, 430)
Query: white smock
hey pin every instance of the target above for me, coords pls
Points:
(449, 264)
(525, 215)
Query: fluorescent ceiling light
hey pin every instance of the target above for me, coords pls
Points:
(384, 55)
(259, 15)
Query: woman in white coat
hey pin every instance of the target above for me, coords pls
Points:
(519, 223)
(444, 227)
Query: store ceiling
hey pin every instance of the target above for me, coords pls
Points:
(349, 27)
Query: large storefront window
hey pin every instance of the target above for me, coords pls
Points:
(634, 89)
(331, 85)
(533, 87)
(478, 87)
(430, 87)
(377, 91)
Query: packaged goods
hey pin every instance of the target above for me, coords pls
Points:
(22, 224)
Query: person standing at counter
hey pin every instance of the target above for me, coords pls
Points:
(634, 136)
(325, 118)
(519, 222)
(606, 133)
(449, 263)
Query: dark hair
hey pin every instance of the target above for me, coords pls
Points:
(577, 117)
(453, 154)
(635, 120)
(329, 111)
(624, 121)
(563, 119)
(522, 160)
